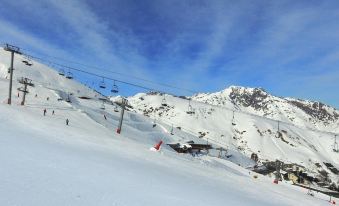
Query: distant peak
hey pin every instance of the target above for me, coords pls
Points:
(245, 89)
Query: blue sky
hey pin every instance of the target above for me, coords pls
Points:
(290, 48)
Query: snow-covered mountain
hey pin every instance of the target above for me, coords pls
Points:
(251, 120)
(314, 115)
(45, 162)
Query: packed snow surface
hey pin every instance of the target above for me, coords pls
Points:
(45, 162)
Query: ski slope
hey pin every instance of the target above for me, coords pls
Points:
(45, 162)
(247, 132)
(256, 101)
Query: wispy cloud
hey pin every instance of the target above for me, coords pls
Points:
(203, 45)
(10, 33)
(70, 28)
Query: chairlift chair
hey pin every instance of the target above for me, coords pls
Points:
(61, 72)
(163, 102)
(335, 145)
(172, 130)
(69, 75)
(154, 122)
(102, 84)
(30, 63)
(233, 122)
(27, 61)
(116, 108)
(115, 88)
(190, 108)
(102, 106)
(68, 98)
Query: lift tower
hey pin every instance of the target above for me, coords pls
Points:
(13, 50)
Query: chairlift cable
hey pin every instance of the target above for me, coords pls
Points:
(119, 73)
(106, 77)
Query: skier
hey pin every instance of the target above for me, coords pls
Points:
(47, 98)
(45, 112)
(53, 112)
(18, 94)
(67, 121)
(105, 117)
(36, 95)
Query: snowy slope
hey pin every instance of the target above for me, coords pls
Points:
(304, 113)
(248, 132)
(45, 162)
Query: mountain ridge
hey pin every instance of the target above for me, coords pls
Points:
(259, 101)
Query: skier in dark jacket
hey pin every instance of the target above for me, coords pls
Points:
(67, 121)
(45, 112)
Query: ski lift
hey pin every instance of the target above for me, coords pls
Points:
(61, 72)
(102, 84)
(27, 61)
(26, 81)
(102, 106)
(154, 123)
(68, 99)
(163, 102)
(233, 123)
(335, 144)
(116, 108)
(69, 75)
(115, 88)
(190, 108)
